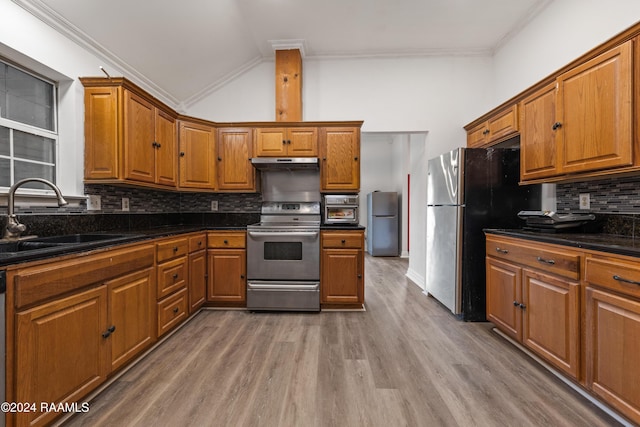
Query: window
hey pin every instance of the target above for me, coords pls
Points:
(28, 127)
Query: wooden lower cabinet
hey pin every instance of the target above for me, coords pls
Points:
(227, 276)
(342, 268)
(613, 332)
(197, 272)
(534, 307)
(172, 310)
(227, 268)
(131, 301)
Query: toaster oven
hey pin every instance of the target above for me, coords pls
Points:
(341, 209)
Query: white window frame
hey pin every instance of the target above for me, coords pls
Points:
(50, 134)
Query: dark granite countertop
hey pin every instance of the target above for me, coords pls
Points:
(129, 236)
(341, 227)
(611, 243)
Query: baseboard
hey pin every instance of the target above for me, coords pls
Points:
(416, 278)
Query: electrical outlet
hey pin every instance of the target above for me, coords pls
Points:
(125, 204)
(94, 203)
(585, 201)
(214, 206)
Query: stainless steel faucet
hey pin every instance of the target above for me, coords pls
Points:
(14, 228)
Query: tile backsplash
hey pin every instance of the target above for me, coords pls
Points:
(610, 196)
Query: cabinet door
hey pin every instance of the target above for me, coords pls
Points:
(302, 142)
(504, 294)
(341, 276)
(503, 124)
(477, 137)
(271, 142)
(595, 112)
(227, 276)
(166, 149)
(612, 346)
(102, 133)
(235, 171)
(60, 354)
(139, 138)
(197, 280)
(131, 303)
(340, 156)
(551, 325)
(538, 150)
(197, 156)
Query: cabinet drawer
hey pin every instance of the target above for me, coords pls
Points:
(352, 240)
(172, 276)
(172, 311)
(615, 274)
(172, 249)
(539, 256)
(197, 242)
(226, 240)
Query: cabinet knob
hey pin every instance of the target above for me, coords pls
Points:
(111, 329)
(343, 241)
(242, 276)
(159, 145)
(200, 243)
(182, 154)
(219, 159)
(516, 303)
(154, 144)
(175, 310)
(288, 142)
(175, 249)
(359, 276)
(324, 158)
(522, 306)
(486, 131)
(175, 276)
(226, 242)
(556, 125)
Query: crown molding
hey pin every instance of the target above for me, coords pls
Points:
(289, 44)
(518, 26)
(53, 19)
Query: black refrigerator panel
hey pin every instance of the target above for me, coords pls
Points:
(492, 199)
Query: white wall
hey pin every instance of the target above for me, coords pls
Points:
(562, 32)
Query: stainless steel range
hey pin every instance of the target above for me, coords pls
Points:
(283, 257)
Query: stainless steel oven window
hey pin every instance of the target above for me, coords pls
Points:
(283, 251)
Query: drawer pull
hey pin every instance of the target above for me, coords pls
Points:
(226, 242)
(175, 310)
(175, 249)
(622, 279)
(108, 332)
(516, 303)
(545, 261)
(175, 276)
(343, 241)
(502, 251)
(519, 304)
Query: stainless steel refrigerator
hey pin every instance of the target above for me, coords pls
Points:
(469, 189)
(382, 223)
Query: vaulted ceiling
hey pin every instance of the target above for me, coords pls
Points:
(190, 47)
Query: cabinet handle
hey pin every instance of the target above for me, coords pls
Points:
(355, 158)
(284, 141)
(182, 154)
(502, 251)
(158, 145)
(111, 329)
(359, 276)
(546, 261)
(175, 276)
(200, 243)
(556, 125)
(343, 241)
(226, 242)
(219, 159)
(242, 276)
(622, 279)
(516, 303)
(522, 306)
(175, 249)
(288, 142)
(154, 144)
(486, 131)
(324, 158)
(175, 310)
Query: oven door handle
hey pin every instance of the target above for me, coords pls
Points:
(283, 233)
(282, 287)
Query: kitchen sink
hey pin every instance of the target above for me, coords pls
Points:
(25, 245)
(78, 238)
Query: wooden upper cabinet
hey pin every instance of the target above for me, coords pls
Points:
(129, 137)
(197, 156)
(286, 142)
(498, 127)
(235, 171)
(594, 112)
(340, 159)
(538, 150)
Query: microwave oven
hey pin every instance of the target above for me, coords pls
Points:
(341, 209)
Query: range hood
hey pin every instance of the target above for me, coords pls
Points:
(279, 163)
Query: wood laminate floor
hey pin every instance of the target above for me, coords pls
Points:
(406, 361)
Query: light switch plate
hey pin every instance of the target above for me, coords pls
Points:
(214, 206)
(125, 204)
(94, 203)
